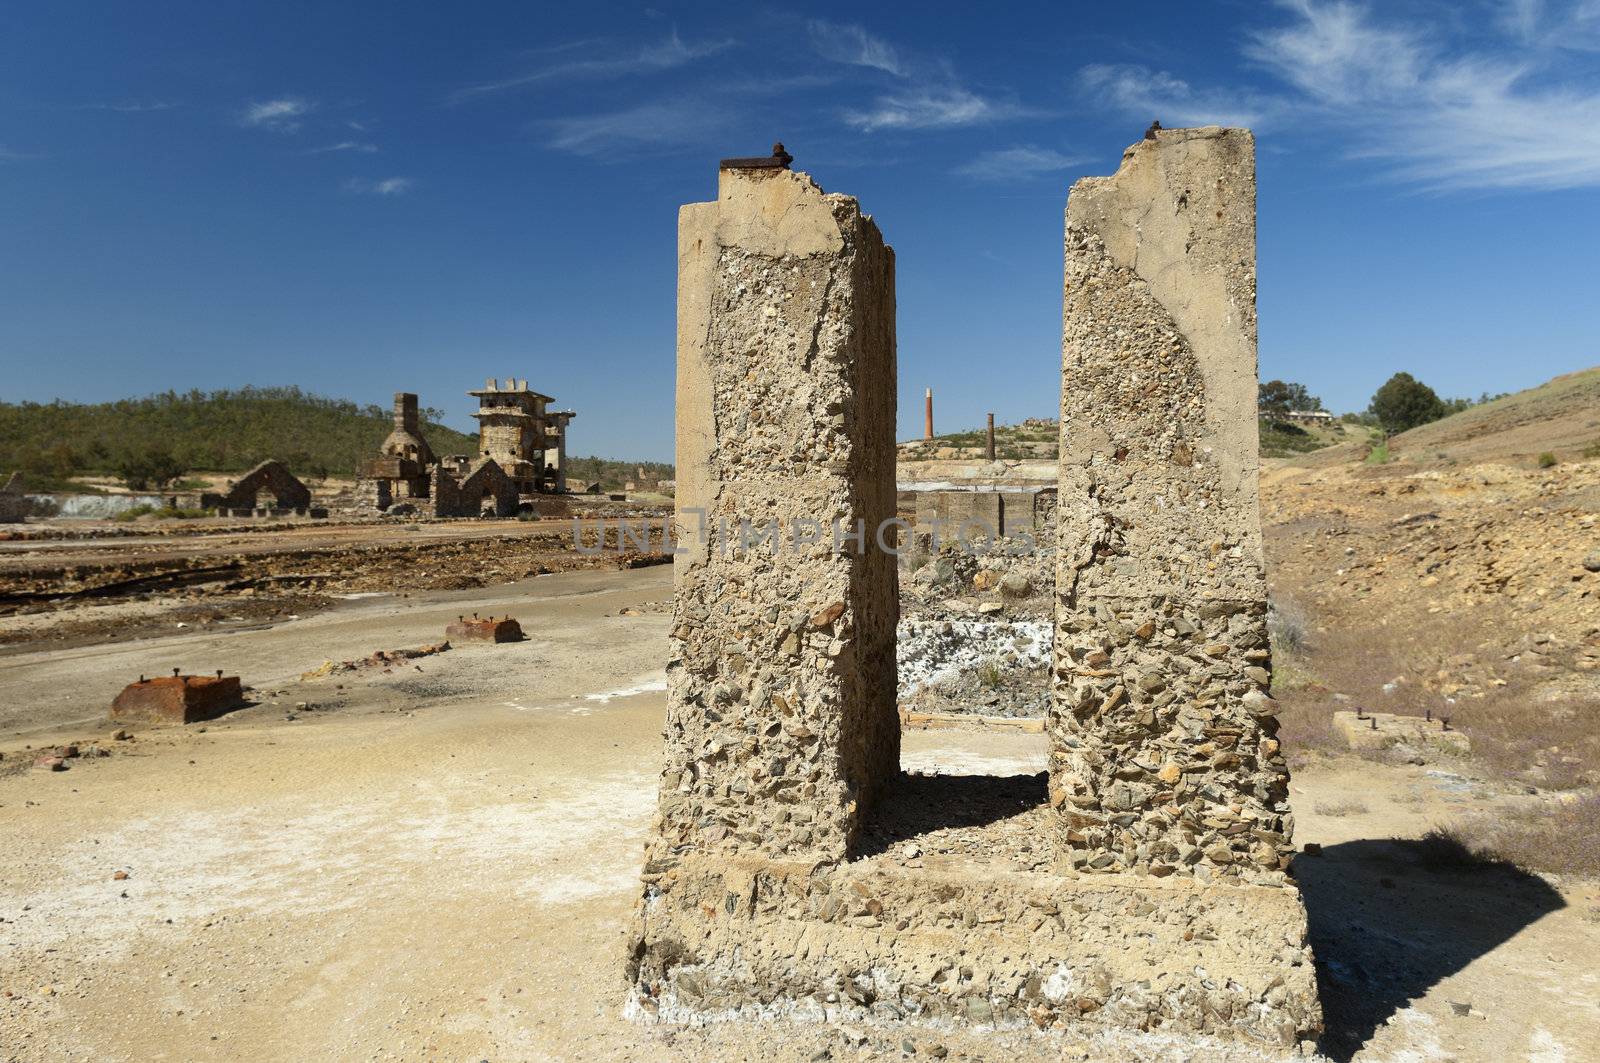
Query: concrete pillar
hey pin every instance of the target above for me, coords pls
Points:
(927, 414)
(1162, 757)
(988, 449)
(781, 717)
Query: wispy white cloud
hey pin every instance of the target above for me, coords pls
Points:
(1010, 164)
(651, 58)
(853, 46)
(7, 155)
(282, 114)
(676, 123)
(1138, 90)
(932, 108)
(130, 106)
(1563, 24)
(1441, 114)
(359, 146)
(931, 96)
(384, 186)
(1444, 119)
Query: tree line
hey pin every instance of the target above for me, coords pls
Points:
(153, 442)
(1402, 403)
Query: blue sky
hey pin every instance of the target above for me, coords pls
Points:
(360, 198)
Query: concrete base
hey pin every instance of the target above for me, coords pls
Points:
(1383, 730)
(728, 937)
(178, 699)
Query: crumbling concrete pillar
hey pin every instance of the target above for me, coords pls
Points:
(1163, 759)
(781, 722)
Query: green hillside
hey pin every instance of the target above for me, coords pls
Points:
(226, 431)
(220, 431)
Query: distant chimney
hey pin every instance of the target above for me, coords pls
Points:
(928, 415)
(405, 411)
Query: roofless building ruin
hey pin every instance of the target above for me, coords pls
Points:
(522, 453)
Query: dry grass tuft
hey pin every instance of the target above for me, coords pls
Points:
(1342, 807)
(1560, 837)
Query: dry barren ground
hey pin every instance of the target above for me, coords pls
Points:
(439, 863)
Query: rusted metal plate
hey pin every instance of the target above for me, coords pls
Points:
(778, 160)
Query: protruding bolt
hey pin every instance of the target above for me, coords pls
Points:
(141, 679)
(1445, 720)
(175, 672)
(1429, 715)
(1361, 714)
(1374, 722)
(219, 673)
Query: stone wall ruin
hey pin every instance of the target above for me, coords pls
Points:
(272, 477)
(1147, 889)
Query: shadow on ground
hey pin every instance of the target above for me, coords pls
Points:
(921, 804)
(1390, 918)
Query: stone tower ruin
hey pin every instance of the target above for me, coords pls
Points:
(528, 440)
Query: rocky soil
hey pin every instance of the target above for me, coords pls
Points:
(89, 589)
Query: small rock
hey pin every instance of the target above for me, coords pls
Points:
(119, 876)
(50, 763)
(1016, 585)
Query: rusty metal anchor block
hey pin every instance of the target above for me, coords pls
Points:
(178, 698)
(484, 629)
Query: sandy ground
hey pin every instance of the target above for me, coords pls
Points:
(439, 864)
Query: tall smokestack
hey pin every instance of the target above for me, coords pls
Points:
(928, 412)
(988, 450)
(405, 411)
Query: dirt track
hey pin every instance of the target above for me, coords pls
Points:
(439, 864)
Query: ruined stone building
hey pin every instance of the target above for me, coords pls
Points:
(404, 466)
(271, 477)
(527, 439)
(1148, 886)
(522, 452)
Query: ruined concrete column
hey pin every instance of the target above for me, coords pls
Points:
(1162, 756)
(781, 722)
(927, 415)
(988, 446)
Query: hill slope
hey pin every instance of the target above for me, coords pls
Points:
(1561, 417)
(222, 431)
(230, 431)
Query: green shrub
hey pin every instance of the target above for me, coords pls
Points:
(1547, 460)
